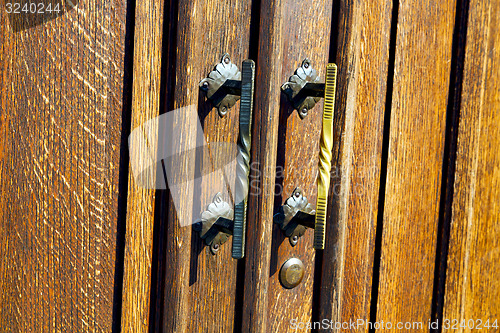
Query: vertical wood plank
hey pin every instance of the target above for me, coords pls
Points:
(472, 286)
(200, 288)
(416, 141)
(148, 35)
(61, 103)
(305, 34)
(363, 56)
(269, 78)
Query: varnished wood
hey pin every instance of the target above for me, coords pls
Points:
(200, 288)
(363, 57)
(297, 152)
(141, 201)
(264, 144)
(61, 94)
(415, 157)
(472, 285)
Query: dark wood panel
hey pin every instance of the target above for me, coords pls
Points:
(415, 157)
(148, 34)
(472, 285)
(200, 288)
(363, 57)
(61, 109)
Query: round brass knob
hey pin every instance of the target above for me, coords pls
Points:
(292, 273)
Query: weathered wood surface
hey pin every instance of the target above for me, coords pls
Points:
(136, 292)
(297, 153)
(61, 103)
(61, 107)
(415, 157)
(472, 285)
(269, 78)
(363, 58)
(200, 288)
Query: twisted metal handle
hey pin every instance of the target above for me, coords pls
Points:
(325, 157)
(243, 161)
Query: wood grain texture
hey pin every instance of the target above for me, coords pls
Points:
(472, 285)
(140, 200)
(363, 56)
(200, 288)
(297, 154)
(415, 157)
(61, 103)
(269, 77)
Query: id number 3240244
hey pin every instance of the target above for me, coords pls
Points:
(32, 8)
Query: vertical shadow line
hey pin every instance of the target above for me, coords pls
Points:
(167, 83)
(383, 166)
(449, 160)
(121, 224)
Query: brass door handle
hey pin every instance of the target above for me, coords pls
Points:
(325, 157)
(297, 214)
(224, 88)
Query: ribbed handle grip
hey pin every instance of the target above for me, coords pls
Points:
(325, 157)
(243, 160)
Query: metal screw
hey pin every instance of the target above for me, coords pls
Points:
(227, 60)
(297, 194)
(304, 111)
(306, 65)
(295, 238)
(205, 84)
(214, 248)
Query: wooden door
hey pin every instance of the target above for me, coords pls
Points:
(63, 104)
(413, 216)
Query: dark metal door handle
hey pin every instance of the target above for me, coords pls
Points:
(223, 88)
(243, 165)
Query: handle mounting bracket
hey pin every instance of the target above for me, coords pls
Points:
(303, 88)
(216, 223)
(295, 216)
(223, 85)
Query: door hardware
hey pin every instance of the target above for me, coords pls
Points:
(297, 214)
(292, 273)
(219, 221)
(216, 223)
(303, 88)
(223, 85)
(325, 156)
